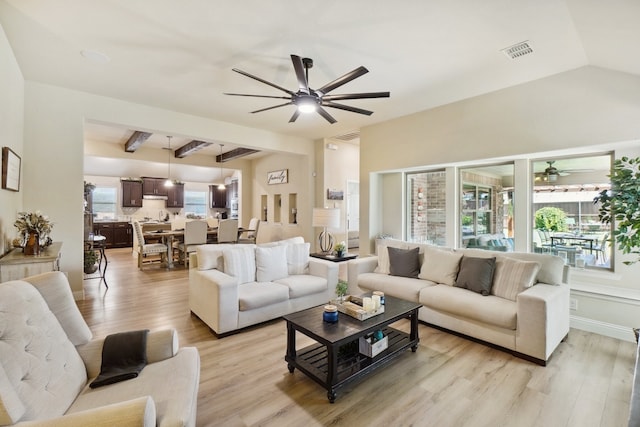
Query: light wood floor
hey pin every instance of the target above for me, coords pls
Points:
(449, 381)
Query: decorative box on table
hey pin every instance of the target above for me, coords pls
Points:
(352, 306)
(371, 348)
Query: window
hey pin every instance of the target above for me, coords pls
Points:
(104, 202)
(486, 207)
(565, 218)
(426, 216)
(195, 202)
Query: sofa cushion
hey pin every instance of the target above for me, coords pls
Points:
(440, 266)
(298, 258)
(476, 274)
(383, 254)
(271, 263)
(240, 263)
(211, 256)
(399, 287)
(254, 295)
(11, 407)
(404, 262)
(303, 284)
(491, 309)
(513, 276)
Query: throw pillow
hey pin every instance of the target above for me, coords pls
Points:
(271, 263)
(383, 260)
(404, 262)
(298, 258)
(240, 263)
(513, 276)
(476, 274)
(440, 266)
(210, 256)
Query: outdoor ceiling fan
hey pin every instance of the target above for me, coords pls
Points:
(551, 173)
(308, 100)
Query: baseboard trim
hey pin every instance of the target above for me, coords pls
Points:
(623, 333)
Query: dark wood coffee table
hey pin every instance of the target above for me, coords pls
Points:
(334, 360)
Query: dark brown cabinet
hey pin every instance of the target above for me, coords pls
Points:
(118, 234)
(217, 197)
(175, 196)
(232, 194)
(154, 187)
(131, 194)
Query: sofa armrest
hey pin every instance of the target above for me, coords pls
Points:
(161, 345)
(358, 266)
(327, 269)
(543, 319)
(213, 297)
(131, 413)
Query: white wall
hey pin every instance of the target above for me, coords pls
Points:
(53, 175)
(11, 135)
(581, 111)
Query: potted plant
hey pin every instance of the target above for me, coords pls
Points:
(622, 205)
(341, 289)
(340, 249)
(90, 261)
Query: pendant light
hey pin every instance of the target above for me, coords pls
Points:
(221, 186)
(168, 182)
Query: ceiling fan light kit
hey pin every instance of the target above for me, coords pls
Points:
(307, 100)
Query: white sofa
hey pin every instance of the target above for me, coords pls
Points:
(526, 310)
(48, 359)
(232, 286)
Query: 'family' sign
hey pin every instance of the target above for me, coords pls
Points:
(278, 177)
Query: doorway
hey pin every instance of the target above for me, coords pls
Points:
(353, 214)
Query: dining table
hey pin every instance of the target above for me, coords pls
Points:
(565, 238)
(168, 237)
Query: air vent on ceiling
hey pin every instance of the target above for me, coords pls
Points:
(348, 136)
(518, 50)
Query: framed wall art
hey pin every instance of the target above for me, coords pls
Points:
(278, 177)
(335, 194)
(10, 170)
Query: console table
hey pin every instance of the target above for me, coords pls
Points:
(16, 265)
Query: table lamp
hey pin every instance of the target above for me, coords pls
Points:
(326, 218)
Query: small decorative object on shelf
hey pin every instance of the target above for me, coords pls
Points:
(330, 313)
(379, 294)
(372, 344)
(34, 231)
(357, 307)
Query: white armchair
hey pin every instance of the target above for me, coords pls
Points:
(48, 359)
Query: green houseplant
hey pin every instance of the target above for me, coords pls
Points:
(622, 205)
(90, 261)
(341, 289)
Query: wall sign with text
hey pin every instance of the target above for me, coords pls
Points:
(278, 177)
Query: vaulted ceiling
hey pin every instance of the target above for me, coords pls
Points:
(180, 55)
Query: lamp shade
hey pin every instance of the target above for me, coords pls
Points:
(326, 217)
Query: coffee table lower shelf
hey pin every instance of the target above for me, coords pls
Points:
(314, 360)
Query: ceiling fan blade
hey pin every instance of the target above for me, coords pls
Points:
(347, 108)
(357, 96)
(258, 96)
(271, 108)
(295, 116)
(343, 80)
(303, 84)
(326, 115)
(251, 76)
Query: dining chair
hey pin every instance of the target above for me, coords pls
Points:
(195, 234)
(250, 234)
(212, 222)
(145, 249)
(601, 248)
(228, 231)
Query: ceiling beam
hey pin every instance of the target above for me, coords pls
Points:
(136, 140)
(234, 154)
(191, 148)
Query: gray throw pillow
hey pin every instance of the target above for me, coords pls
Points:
(476, 274)
(404, 262)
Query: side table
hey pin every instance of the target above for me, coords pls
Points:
(334, 258)
(16, 265)
(99, 243)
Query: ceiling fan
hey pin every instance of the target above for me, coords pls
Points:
(551, 173)
(308, 100)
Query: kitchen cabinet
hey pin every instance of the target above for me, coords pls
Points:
(217, 197)
(175, 196)
(131, 194)
(117, 234)
(232, 194)
(154, 187)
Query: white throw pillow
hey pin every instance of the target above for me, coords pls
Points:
(210, 256)
(513, 276)
(240, 263)
(298, 258)
(271, 263)
(440, 266)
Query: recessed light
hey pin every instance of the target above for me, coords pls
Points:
(95, 56)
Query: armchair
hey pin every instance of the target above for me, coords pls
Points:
(48, 359)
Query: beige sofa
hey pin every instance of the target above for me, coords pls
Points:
(232, 286)
(526, 310)
(48, 359)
